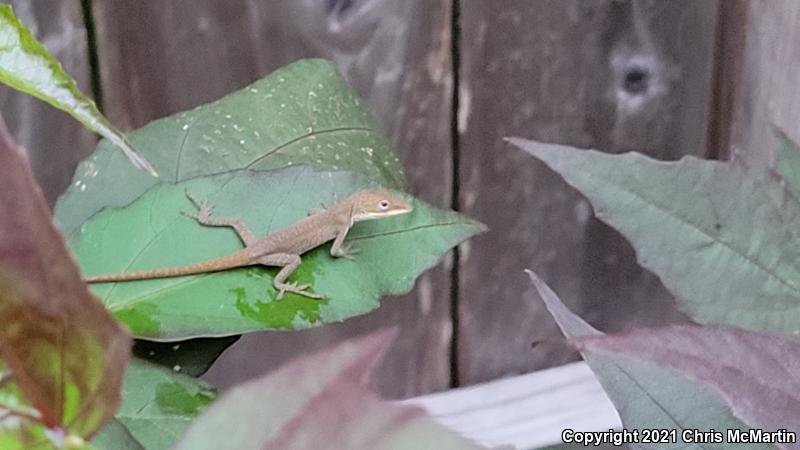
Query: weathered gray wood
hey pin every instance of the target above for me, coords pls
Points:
(616, 75)
(161, 57)
(55, 142)
(762, 80)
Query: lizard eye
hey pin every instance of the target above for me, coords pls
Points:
(383, 205)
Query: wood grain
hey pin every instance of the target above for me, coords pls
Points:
(765, 87)
(630, 75)
(616, 75)
(159, 58)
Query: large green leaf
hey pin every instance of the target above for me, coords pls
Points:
(151, 233)
(157, 407)
(302, 114)
(26, 66)
(788, 159)
(724, 241)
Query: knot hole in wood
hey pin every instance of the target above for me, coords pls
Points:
(636, 80)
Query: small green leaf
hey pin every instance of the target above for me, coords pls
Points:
(157, 406)
(151, 233)
(26, 65)
(18, 433)
(302, 114)
(788, 159)
(724, 241)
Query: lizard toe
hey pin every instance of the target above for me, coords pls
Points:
(294, 288)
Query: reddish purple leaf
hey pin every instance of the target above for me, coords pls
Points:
(756, 374)
(61, 346)
(319, 401)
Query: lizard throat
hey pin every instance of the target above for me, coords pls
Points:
(379, 215)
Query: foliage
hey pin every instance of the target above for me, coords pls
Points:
(61, 352)
(726, 244)
(727, 247)
(146, 233)
(27, 66)
(294, 140)
(248, 153)
(301, 114)
(159, 405)
(633, 369)
(319, 401)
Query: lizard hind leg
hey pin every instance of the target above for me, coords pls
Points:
(288, 263)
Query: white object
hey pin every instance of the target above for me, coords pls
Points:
(526, 411)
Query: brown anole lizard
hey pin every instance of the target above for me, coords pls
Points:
(283, 247)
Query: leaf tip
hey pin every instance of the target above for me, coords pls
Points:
(570, 323)
(480, 227)
(139, 162)
(513, 140)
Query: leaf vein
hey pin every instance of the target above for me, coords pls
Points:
(305, 136)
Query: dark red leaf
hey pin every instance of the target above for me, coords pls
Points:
(63, 349)
(757, 375)
(319, 401)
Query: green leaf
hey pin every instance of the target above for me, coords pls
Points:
(13, 436)
(157, 407)
(151, 233)
(26, 65)
(788, 159)
(59, 346)
(115, 436)
(302, 114)
(723, 241)
(646, 396)
(319, 401)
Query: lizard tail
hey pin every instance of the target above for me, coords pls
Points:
(213, 265)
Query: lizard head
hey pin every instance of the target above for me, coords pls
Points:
(377, 204)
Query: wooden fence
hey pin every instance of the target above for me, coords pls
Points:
(448, 79)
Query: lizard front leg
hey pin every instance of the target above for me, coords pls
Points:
(203, 217)
(340, 249)
(288, 263)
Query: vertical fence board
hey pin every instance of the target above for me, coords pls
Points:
(612, 75)
(55, 142)
(763, 82)
(161, 57)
